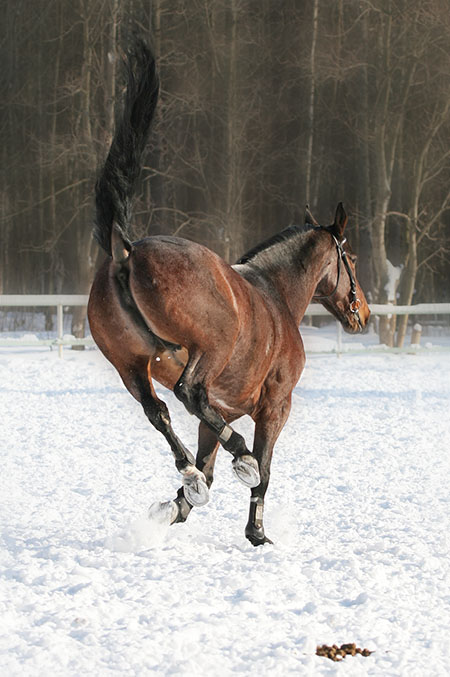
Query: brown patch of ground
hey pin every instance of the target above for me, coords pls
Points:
(336, 653)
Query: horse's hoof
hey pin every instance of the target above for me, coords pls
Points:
(163, 512)
(258, 541)
(196, 490)
(256, 535)
(246, 470)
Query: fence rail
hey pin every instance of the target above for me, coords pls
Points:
(62, 301)
(58, 301)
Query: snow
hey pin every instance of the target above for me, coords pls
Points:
(358, 508)
(325, 339)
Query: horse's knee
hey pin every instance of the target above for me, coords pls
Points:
(183, 393)
(195, 399)
(193, 396)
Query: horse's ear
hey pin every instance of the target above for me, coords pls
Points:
(340, 221)
(309, 218)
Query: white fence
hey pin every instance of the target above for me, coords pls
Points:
(62, 301)
(46, 301)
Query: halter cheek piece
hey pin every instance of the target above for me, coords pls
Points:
(355, 303)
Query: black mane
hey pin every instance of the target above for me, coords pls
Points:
(285, 235)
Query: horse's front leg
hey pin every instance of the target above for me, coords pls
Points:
(192, 390)
(206, 457)
(268, 425)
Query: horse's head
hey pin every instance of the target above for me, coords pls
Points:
(339, 290)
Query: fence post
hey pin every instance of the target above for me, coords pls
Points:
(60, 326)
(339, 338)
(416, 334)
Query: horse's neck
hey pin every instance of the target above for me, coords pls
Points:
(293, 269)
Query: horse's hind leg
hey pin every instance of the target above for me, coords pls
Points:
(191, 389)
(138, 381)
(206, 457)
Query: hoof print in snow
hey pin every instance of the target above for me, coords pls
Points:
(336, 653)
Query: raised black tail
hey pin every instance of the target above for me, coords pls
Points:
(116, 184)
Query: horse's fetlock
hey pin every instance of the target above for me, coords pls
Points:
(160, 419)
(232, 441)
(252, 531)
(236, 445)
(165, 417)
(182, 465)
(256, 535)
(184, 508)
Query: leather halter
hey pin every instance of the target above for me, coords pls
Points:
(355, 303)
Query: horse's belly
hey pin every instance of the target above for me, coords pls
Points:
(238, 388)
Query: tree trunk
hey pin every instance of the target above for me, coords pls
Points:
(311, 107)
(408, 280)
(233, 231)
(86, 250)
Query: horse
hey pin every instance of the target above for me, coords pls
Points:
(224, 338)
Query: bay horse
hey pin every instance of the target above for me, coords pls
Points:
(224, 338)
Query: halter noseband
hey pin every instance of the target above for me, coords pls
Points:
(355, 303)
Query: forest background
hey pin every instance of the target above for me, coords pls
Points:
(265, 105)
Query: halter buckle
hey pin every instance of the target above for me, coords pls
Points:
(355, 305)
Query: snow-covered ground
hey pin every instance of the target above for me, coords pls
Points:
(358, 508)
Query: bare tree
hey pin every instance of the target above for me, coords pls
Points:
(263, 106)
